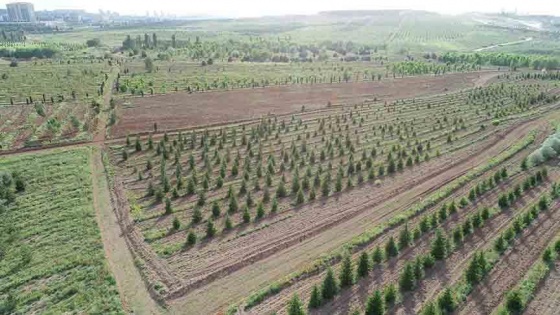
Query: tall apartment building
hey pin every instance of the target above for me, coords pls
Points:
(21, 12)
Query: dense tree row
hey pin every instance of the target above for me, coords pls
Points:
(502, 59)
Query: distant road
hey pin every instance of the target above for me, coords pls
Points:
(505, 44)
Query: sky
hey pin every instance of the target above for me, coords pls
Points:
(252, 8)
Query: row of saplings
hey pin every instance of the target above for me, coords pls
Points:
(480, 266)
(414, 271)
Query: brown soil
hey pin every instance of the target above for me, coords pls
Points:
(183, 110)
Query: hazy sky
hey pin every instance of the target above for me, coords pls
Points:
(248, 8)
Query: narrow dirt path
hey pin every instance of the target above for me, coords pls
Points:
(134, 296)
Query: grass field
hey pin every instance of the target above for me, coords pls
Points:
(52, 258)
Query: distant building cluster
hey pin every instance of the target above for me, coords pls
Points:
(24, 12)
(21, 12)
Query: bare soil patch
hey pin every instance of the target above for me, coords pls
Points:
(184, 110)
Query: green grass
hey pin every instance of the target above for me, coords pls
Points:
(53, 260)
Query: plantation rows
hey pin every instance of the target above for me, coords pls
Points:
(306, 169)
(176, 76)
(447, 216)
(412, 271)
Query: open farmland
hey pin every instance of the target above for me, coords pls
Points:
(344, 162)
(52, 258)
(181, 109)
(283, 197)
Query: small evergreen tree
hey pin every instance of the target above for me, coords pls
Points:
(216, 209)
(300, 198)
(228, 224)
(168, 208)
(233, 206)
(440, 246)
(430, 309)
(315, 300)
(260, 210)
(210, 229)
(330, 287)
(377, 256)
(514, 302)
(197, 216)
(176, 224)
(446, 301)
(191, 238)
(390, 295)
(375, 304)
(391, 248)
(363, 265)
(407, 280)
(246, 215)
(295, 307)
(274, 207)
(346, 272)
(405, 237)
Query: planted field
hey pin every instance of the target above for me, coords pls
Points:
(278, 201)
(57, 102)
(52, 258)
(180, 110)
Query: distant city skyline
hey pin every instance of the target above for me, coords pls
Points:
(251, 8)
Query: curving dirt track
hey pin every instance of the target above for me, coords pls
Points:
(513, 264)
(183, 110)
(547, 297)
(225, 290)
